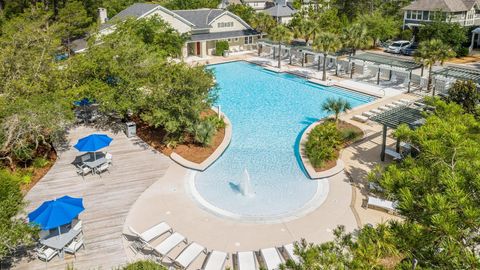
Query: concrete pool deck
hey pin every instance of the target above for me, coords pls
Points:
(145, 188)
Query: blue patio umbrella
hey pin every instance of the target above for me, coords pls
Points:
(93, 142)
(83, 102)
(55, 213)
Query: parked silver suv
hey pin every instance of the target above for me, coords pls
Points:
(397, 46)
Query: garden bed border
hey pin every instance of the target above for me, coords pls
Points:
(214, 156)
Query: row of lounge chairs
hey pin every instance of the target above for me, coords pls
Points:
(365, 116)
(271, 258)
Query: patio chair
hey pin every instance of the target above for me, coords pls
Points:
(290, 251)
(150, 234)
(382, 204)
(271, 258)
(109, 158)
(215, 261)
(169, 244)
(102, 168)
(246, 260)
(189, 254)
(77, 225)
(85, 158)
(45, 253)
(83, 170)
(75, 245)
(393, 154)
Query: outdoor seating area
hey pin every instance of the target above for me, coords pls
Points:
(93, 162)
(162, 252)
(61, 230)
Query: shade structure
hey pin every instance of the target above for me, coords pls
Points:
(93, 143)
(55, 213)
(83, 102)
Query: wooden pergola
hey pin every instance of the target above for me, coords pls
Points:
(388, 62)
(413, 117)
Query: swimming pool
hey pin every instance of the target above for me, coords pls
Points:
(268, 112)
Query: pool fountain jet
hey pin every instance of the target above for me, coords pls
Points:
(244, 186)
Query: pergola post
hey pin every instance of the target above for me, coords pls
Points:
(384, 143)
(390, 74)
(397, 146)
(290, 55)
(409, 81)
(378, 76)
(421, 74)
(303, 59)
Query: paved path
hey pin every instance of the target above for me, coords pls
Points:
(107, 199)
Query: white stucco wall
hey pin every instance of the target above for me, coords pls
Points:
(176, 23)
(237, 25)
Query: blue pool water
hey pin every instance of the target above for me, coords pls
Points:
(268, 112)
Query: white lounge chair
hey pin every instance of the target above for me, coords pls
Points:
(246, 260)
(381, 203)
(376, 111)
(46, 254)
(74, 246)
(360, 118)
(383, 108)
(189, 254)
(290, 250)
(168, 244)
(391, 105)
(215, 261)
(368, 114)
(272, 258)
(399, 103)
(150, 234)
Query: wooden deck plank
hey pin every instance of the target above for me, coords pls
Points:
(107, 200)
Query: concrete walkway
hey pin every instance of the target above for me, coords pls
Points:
(107, 200)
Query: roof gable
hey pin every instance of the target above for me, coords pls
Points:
(199, 18)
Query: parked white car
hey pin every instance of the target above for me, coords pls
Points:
(397, 46)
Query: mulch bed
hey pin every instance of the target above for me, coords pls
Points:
(332, 163)
(39, 173)
(188, 150)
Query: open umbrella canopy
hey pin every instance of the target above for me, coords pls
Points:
(55, 213)
(83, 102)
(93, 143)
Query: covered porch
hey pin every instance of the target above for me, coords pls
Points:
(446, 77)
(204, 44)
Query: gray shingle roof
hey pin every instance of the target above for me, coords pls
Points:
(134, 11)
(201, 18)
(281, 10)
(443, 5)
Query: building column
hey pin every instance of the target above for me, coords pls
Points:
(384, 143)
(184, 50)
(203, 49)
(471, 44)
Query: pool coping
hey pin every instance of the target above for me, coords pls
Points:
(214, 156)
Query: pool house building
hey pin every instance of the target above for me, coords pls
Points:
(205, 27)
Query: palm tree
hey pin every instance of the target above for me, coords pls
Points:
(326, 43)
(336, 106)
(354, 37)
(262, 22)
(280, 33)
(429, 53)
(304, 29)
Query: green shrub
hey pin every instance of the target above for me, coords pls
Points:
(322, 142)
(203, 132)
(349, 134)
(40, 162)
(216, 121)
(220, 47)
(144, 265)
(406, 34)
(462, 51)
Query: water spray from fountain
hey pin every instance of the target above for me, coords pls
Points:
(244, 186)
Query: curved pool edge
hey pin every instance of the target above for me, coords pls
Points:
(315, 202)
(214, 156)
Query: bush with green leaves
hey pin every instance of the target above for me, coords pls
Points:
(15, 232)
(203, 132)
(144, 265)
(466, 94)
(221, 47)
(322, 143)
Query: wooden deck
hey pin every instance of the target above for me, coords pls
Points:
(107, 200)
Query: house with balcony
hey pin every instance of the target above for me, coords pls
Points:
(204, 26)
(282, 11)
(419, 12)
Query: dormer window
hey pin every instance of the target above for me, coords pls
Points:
(224, 24)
